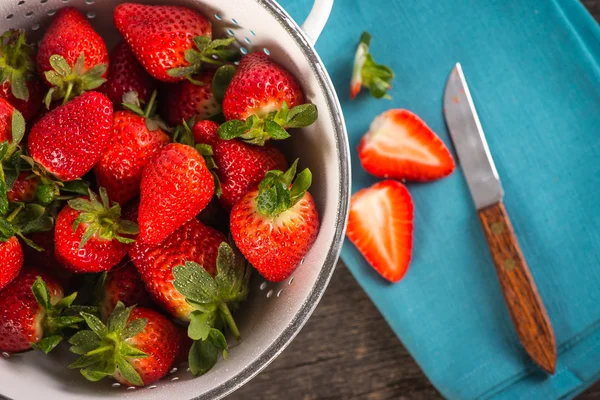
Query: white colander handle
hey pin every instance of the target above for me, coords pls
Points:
(316, 20)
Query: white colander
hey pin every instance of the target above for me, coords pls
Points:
(274, 313)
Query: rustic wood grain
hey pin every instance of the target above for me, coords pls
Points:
(347, 351)
(520, 293)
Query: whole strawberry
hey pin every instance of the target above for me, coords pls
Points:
(188, 99)
(20, 85)
(176, 186)
(90, 235)
(122, 284)
(70, 139)
(125, 74)
(72, 57)
(240, 166)
(136, 138)
(33, 312)
(262, 101)
(195, 242)
(137, 346)
(24, 188)
(11, 255)
(276, 225)
(171, 42)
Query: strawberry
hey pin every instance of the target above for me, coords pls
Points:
(137, 346)
(380, 225)
(171, 42)
(176, 186)
(240, 166)
(136, 138)
(24, 188)
(262, 101)
(70, 139)
(11, 255)
(212, 299)
(188, 99)
(90, 235)
(20, 85)
(367, 73)
(72, 57)
(399, 145)
(192, 242)
(33, 312)
(125, 74)
(275, 226)
(122, 284)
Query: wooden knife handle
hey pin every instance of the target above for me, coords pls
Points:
(524, 304)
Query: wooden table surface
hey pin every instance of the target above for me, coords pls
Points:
(347, 351)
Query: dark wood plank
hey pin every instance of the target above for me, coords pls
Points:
(347, 351)
(520, 292)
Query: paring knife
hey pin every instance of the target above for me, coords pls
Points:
(520, 293)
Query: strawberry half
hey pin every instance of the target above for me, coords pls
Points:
(72, 57)
(20, 84)
(137, 137)
(137, 346)
(70, 139)
(276, 225)
(399, 145)
(125, 74)
(262, 101)
(367, 73)
(380, 224)
(171, 42)
(33, 313)
(90, 235)
(176, 186)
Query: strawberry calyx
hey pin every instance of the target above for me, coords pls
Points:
(68, 82)
(132, 102)
(257, 130)
(10, 158)
(277, 193)
(102, 219)
(23, 219)
(104, 348)
(16, 62)
(57, 316)
(206, 51)
(367, 73)
(213, 298)
(221, 80)
(183, 134)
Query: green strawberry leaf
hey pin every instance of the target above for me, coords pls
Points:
(18, 86)
(128, 372)
(221, 81)
(275, 194)
(376, 77)
(48, 344)
(93, 375)
(41, 293)
(218, 340)
(118, 319)
(86, 361)
(301, 185)
(77, 186)
(302, 116)
(275, 131)
(200, 325)
(95, 325)
(83, 342)
(17, 127)
(134, 328)
(195, 283)
(202, 357)
(232, 129)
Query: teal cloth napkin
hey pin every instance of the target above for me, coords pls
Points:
(534, 72)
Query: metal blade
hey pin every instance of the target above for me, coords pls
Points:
(469, 141)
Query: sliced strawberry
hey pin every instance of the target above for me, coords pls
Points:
(380, 225)
(400, 145)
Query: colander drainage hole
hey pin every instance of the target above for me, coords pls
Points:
(263, 286)
(175, 378)
(21, 3)
(252, 32)
(270, 294)
(116, 385)
(131, 388)
(217, 16)
(291, 280)
(91, 14)
(279, 292)
(230, 32)
(43, 1)
(267, 52)
(89, 2)
(234, 21)
(65, 1)
(5, 354)
(29, 14)
(247, 40)
(243, 50)
(152, 387)
(9, 16)
(51, 12)
(35, 27)
(173, 371)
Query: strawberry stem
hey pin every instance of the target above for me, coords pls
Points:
(150, 104)
(229, 320)
(99, 350)
(68, 93)
(14, 213)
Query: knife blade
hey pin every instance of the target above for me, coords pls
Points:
(520, 293)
